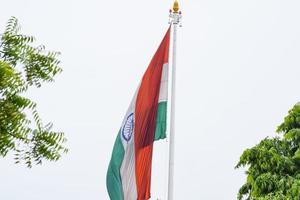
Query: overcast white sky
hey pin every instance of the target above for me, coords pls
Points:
(238, 75)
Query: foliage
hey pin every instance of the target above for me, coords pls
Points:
(274, 164)
(23, 66)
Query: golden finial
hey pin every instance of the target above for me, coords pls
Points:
(175, 6)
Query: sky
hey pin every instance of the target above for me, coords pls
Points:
(238, 69)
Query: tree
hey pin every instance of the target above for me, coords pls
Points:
(22, 66)
(274, 164)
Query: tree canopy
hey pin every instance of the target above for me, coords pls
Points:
(274, 164)
(22, 66)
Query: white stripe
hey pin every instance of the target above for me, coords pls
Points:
(128, 165)
(163, 93)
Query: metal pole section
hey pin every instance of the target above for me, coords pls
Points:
(172, 120)
(175, 20)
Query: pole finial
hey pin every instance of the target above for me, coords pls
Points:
(175, 15)
(175, 6)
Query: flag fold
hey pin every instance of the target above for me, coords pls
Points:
(129, 171)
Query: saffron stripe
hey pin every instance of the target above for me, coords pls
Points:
(145, 118)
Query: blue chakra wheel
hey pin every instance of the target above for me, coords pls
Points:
(128, 127)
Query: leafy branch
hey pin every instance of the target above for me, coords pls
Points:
(23, 65)
(273, 166)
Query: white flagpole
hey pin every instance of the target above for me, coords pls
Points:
(175, 17)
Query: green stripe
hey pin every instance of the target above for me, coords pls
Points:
(161, 121)
(113, 177)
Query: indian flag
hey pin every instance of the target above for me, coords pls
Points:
(129, 171)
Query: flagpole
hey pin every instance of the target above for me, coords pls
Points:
(175, 17)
